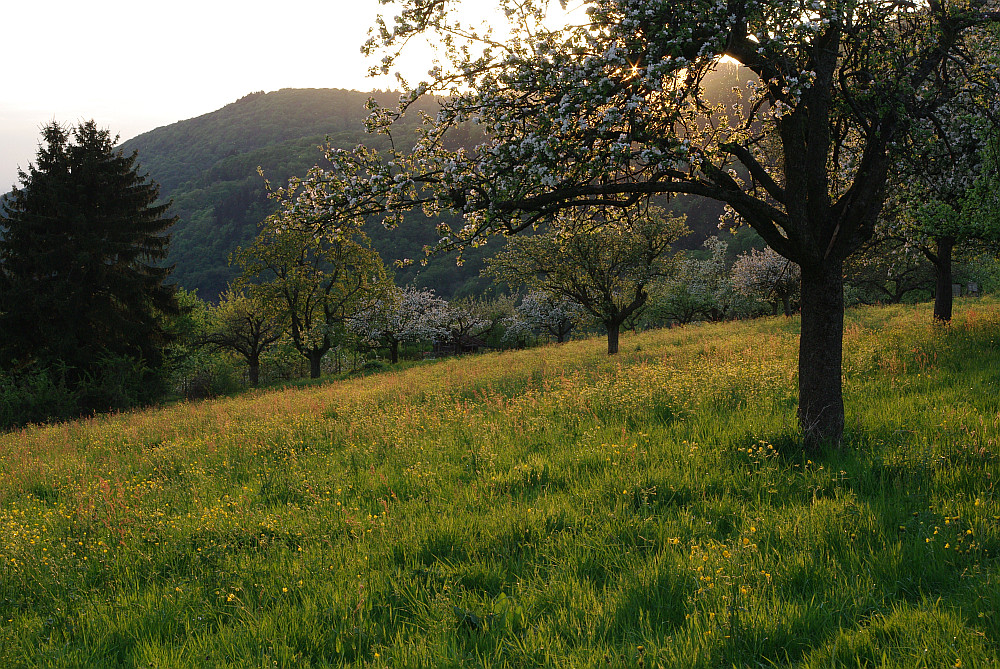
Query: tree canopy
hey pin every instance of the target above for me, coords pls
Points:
(934, 204)
(322, 280)
(79, 253)
(402, 315)
(606, 268)
(247, 323)
(614, 110)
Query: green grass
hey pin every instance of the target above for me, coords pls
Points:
(551, 507)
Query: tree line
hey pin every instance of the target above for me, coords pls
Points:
(90, 323)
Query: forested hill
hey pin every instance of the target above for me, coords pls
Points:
(184, 153)
(208, 167)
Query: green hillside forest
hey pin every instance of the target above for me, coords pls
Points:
(209, 165)
(554, 507)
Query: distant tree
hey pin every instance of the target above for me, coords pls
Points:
(887, 269)
(469, 321)
(403, 315)
(322, 279)
(765, 276)
(932, 203)
(696, 288)
(552, 314)
(80, 245)
(246, 322)
(606, 268)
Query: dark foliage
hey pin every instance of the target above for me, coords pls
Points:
(82, 281)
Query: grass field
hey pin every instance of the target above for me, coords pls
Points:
(551, 507)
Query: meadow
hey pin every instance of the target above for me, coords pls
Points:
(550, 507)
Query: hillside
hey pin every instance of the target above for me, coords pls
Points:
(208, 167)
(553, 507)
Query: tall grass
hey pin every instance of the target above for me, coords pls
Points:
(552, 507)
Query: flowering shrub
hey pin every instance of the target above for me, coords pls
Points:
(765, 276)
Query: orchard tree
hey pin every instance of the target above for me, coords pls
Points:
(470, 320)
(403, 315)
(933, 203)
(554, 314)
(322, 278)
(605, 267)
(765, 276)
(612, 111)
(983, 202)
(696, 288)
(82, 242)
(247, 322)
(887, 268)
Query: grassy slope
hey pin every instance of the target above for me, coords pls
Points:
(549, 507)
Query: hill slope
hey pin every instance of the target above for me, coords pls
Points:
(553, 507)
(208, 167)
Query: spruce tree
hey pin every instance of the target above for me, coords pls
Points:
(79, 247)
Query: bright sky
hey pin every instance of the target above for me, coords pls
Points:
(137, 65)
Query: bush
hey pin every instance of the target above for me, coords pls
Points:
(35, 398)
(59, 392)
(374, 367)
(118, 383)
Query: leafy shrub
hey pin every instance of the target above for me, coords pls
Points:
(59, 392)
(34, 398)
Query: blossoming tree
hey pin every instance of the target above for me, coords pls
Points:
(695, 289)
(612, 111)
(545, 312)
(605, 267)
(766, 276)
(403, 315)
(934, 197)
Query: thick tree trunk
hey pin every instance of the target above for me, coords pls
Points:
(394, 352)
(315, 359)
(942, 272)
(821, 400)
(613, 330)
(254, 372)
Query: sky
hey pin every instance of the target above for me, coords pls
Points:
(133, 66)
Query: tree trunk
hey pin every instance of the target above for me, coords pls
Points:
(394, 351)
(254, 372)
(942, 272)
(315, 358)
(613, 330)
(821, 400)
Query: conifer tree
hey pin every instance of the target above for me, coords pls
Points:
(79, 247)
